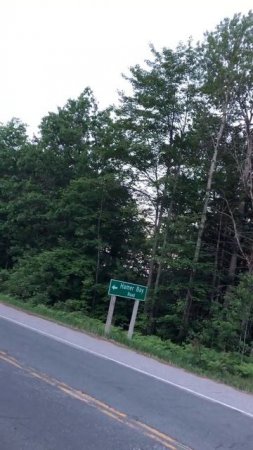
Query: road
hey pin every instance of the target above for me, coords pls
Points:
(57, 396)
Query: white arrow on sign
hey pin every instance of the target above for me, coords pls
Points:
(114, 287)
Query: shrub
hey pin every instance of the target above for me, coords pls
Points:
(48, 277)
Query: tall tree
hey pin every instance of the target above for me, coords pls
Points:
(220, 57)
(155, 120)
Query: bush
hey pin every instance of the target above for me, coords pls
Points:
(245, 370)
(71, 305)
(48, 277)
(231, 328)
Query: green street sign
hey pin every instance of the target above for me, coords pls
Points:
(127, 290)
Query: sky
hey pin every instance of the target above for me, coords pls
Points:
(51, 50)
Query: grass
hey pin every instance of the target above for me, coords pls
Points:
(223, 367)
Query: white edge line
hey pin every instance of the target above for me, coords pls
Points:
(128, 366)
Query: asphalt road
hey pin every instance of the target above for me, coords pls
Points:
(53, 396)
(36, 416)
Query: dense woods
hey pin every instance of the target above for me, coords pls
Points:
(157, 190)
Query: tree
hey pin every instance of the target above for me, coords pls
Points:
(220, 57)
(155, 121)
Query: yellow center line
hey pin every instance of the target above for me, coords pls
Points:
(153, 430)
(153, 433)
(10, 360)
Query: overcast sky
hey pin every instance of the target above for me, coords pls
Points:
(52, 49)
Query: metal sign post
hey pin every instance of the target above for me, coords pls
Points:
(133, 319)
(110, 314)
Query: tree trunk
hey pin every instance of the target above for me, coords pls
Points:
(159, 270)
(216, 262)
(150, 303)
(158, 223)
(233, 266)
(247, 171)
(189, 299)
(94, 298)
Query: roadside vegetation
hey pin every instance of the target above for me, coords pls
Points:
(156, 191)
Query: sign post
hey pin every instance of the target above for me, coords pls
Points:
(110, 314)
(133, 319)
(127, 290)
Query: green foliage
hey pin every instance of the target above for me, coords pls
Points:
(120, 193)
(49, 276)
(233, 324)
